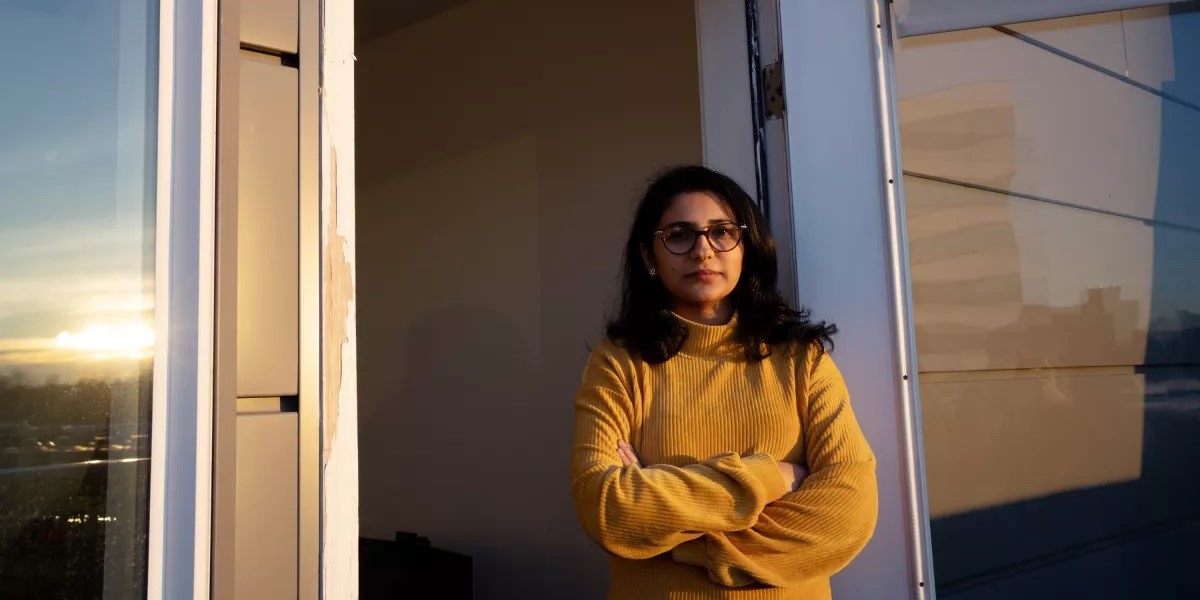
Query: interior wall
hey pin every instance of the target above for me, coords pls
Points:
(501, 147)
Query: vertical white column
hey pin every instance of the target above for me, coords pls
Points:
(338, 333)
(850, 264)
(181, 430)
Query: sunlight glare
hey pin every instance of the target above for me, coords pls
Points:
(101, 341)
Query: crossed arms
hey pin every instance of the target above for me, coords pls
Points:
(735, 516)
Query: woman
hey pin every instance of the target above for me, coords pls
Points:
(702, 414)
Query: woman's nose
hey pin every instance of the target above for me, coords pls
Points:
(702, 248)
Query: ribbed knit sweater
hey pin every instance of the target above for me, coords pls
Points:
(707, 515)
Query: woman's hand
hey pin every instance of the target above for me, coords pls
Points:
(625, 451)
(793, 474)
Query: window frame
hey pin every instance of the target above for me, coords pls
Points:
(178, 561)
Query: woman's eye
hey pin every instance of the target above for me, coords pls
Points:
(678, 236)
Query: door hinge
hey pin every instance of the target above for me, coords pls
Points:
(772, 82)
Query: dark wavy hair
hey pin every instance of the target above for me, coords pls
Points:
(645, 324)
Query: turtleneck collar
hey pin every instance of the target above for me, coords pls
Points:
(710, 340)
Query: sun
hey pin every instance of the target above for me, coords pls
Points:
(100, 341)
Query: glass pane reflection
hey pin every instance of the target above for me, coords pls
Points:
(1054, 230)
(77, 144)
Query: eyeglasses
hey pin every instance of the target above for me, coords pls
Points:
(680, 239)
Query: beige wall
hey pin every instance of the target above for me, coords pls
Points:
(501, 146)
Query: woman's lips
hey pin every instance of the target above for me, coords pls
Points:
(704, 275)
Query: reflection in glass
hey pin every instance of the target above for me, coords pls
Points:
(77, 159)
(1054, 225)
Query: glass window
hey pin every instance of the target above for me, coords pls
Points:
(1054, 239)
(77, 210)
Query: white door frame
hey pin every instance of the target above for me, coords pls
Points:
(338, 334)
(181, 429)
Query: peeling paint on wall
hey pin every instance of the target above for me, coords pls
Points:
(338, 303)
(339, 357)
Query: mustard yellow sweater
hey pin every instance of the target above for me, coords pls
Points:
(707, 515)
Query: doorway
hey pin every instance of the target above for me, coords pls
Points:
(501, 147)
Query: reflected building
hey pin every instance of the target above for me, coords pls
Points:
(1052, 242)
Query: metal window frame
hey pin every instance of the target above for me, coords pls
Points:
(225, 401)
(905, 341)
(919, 17)
(178, 562)
(776, 164)
(311, 509)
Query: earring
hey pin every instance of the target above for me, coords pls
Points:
(653, 272)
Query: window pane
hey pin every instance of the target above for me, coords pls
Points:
(1054, 230)
(77, 155)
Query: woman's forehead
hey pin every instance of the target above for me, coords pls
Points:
(697, 208)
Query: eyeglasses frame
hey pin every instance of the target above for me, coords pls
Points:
(660, 234)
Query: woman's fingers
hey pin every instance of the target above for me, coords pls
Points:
(802, 473)
(628, 457)
(793, 473)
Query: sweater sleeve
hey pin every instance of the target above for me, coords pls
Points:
(640, 512)
(816, 530)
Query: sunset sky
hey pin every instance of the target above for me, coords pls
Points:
(76, 160)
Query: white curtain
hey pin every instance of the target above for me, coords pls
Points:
(915, 17)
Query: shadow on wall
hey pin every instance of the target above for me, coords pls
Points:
(470, 369)
(467, 420)
(1118, 441)
(478, 410)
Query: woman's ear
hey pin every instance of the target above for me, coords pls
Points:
(648, 260)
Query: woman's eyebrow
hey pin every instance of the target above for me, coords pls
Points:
(693, 224)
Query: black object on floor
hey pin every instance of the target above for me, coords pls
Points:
(411, 568)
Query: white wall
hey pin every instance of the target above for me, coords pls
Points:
(501, 146)
(838, 186)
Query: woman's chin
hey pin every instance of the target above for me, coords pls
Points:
(701, 292)
(699, 305)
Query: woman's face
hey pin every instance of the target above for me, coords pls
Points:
(702, 277)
